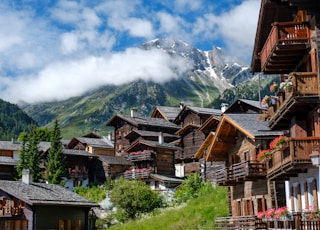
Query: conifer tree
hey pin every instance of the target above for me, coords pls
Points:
(23, 159)
(33, 156)
(56, 160)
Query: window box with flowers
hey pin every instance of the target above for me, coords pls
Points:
(274, 87)
(310, 214)
(264, 155)
(286, 85)
(280, 214)
(281, 142)
(266, 100)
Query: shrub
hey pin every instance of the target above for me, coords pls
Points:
(189, 188)
(132, 198)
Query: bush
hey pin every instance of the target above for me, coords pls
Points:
(132, 198)
(190, 188)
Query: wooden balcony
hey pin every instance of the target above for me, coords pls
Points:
(136, 174)
(300, 98)
(285, 46)
(77, 173)
(145, 155)
(248, 171)
(243, 171)
(289, 162)
(8, 208)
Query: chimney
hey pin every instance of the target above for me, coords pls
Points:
(224, 107)
(110, 136)
(161, 138)
(181, 105)
(133, 112)
(26, 176)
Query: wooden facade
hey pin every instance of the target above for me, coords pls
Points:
(27, 205)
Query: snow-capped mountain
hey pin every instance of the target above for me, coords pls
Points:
(210, 74)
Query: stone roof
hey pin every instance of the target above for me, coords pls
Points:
(208, 111)
(114, 160)
(44, 194)
(173, 181)
(250, 123)
(95, 142)
(74, 152)
(145, 133)
(10, 145)
(4, 160)
(155, 144)
(144, 121)
(169, 112)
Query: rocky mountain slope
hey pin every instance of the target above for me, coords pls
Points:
(211, 73)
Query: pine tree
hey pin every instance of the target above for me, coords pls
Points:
(33, 156)
(56, 160)
(23, 159)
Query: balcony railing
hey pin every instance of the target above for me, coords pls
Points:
(290, 161)
(284, 47)
(137, 174)
(77, 173)
(145, 155)
(8, 208)
(243, 171)
(248, 170)
(305, 88)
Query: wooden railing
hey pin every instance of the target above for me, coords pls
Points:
(8, 208)
(77, 173)
(248, 169)
(140, 156)
(237, 222)
(295, 155)
(303, 84)
(137, 174)
(284, 33)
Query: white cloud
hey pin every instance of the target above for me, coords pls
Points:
(62, 80)
(67, 49)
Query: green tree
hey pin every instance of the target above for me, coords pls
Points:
(190, 188)
(133, 197)
(23, 159)
(29, 155)
(56, 160)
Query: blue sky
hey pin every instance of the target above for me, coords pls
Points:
(56, 49)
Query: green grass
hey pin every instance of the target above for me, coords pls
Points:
(198, 214)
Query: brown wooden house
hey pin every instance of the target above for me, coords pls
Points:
(288, 43)
(190, 119)
(10, 151)
(124, 124)
(27, 205)
(236, 142)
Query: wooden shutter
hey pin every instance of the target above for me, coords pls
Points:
(292, 198)
(77, 225)
(306, 194)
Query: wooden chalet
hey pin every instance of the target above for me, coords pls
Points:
(10, 151)
(190, 120)
(26, 205)
(236, 142)
(287, 43)
(124, 124)
(246, 106)
(93, 145)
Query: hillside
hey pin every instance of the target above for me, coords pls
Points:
(212, 73)
(13, 121)
(196, 214)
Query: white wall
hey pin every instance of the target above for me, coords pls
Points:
(313, 173)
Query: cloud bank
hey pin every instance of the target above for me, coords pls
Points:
(61, 50)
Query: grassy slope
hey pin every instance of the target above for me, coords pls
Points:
(197, 214)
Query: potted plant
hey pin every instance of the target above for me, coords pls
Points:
(274, 87)
(264, 154)
(266, 100)
(286, 85)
